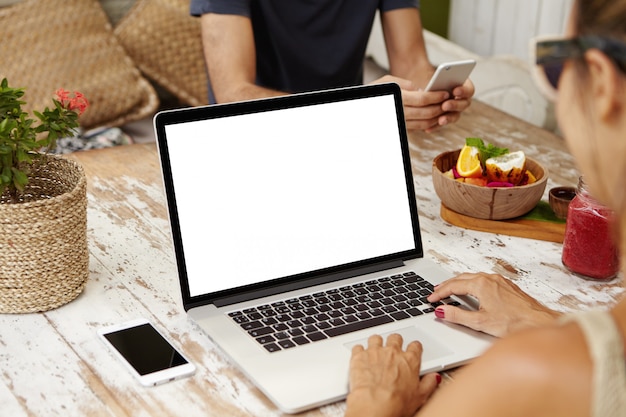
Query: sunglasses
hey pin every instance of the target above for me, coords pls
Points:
(548, 56)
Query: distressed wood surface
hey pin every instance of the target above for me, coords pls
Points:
(53, 363)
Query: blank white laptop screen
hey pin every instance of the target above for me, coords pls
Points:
(273, 194)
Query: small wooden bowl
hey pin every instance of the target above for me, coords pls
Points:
(491, 203)
(559, 198)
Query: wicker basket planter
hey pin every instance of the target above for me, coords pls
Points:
(44, 259)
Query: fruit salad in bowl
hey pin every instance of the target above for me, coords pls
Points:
(488, 182)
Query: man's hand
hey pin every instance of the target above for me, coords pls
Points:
(503, 308)
(385, 381)
(430, 110)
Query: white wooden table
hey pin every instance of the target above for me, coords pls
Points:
(52, 364)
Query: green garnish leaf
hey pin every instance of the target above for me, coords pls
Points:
(485, 151)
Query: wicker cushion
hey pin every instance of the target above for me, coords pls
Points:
(51, 44)
(165, 42)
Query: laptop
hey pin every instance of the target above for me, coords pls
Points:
(296, 234)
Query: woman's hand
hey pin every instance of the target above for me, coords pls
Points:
(503, 306)
(385, 381)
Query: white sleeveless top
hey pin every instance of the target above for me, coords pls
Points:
(609, 367)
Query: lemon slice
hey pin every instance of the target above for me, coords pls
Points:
(468, 164)
(509, 167)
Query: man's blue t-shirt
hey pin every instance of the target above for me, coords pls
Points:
(305, 45)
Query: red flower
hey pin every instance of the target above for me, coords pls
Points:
(77, 103)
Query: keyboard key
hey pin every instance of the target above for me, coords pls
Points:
(348, 310)
(309, 303)
(400, 315)
(337, 322)
(359, 325)
(323, 325)
(280, 327)
(322, 317)
(376, 296)
(309, 329)
(286, 344)
(335, 297)
(401, 290)
(316, 336)
(296, 332)
(362, 315)
(402, 306)
(310, 311)
(265, 339)
(389, 309)
(283, 317)
(301, 340)
(414, 311)
(241, 319)
(282, 335)
(260, 332)
(271, 347)
(251, 325)
(350, 318)
(297, 315)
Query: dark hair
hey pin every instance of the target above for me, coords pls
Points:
(605, 18)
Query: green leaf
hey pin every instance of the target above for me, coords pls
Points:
(485, 151)
(19, 179)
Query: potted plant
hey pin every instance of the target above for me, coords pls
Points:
(44, 260)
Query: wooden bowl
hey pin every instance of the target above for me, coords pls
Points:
(559, 199)
(497, 203)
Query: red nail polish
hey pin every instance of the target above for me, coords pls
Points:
(440, 313)
(438, 376)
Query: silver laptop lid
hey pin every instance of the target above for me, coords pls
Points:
(270, 195)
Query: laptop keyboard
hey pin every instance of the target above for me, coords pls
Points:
(314, 317)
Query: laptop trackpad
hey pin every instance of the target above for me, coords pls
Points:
(432, 348)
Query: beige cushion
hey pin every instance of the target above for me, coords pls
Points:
(51, 44)
(165, 42)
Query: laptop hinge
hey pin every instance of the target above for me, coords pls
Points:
(305, 283)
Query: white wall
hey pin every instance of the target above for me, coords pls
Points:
(504, 27)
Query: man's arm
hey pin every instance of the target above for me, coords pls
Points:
(410, 68)
(230, 55)
(406, 49)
